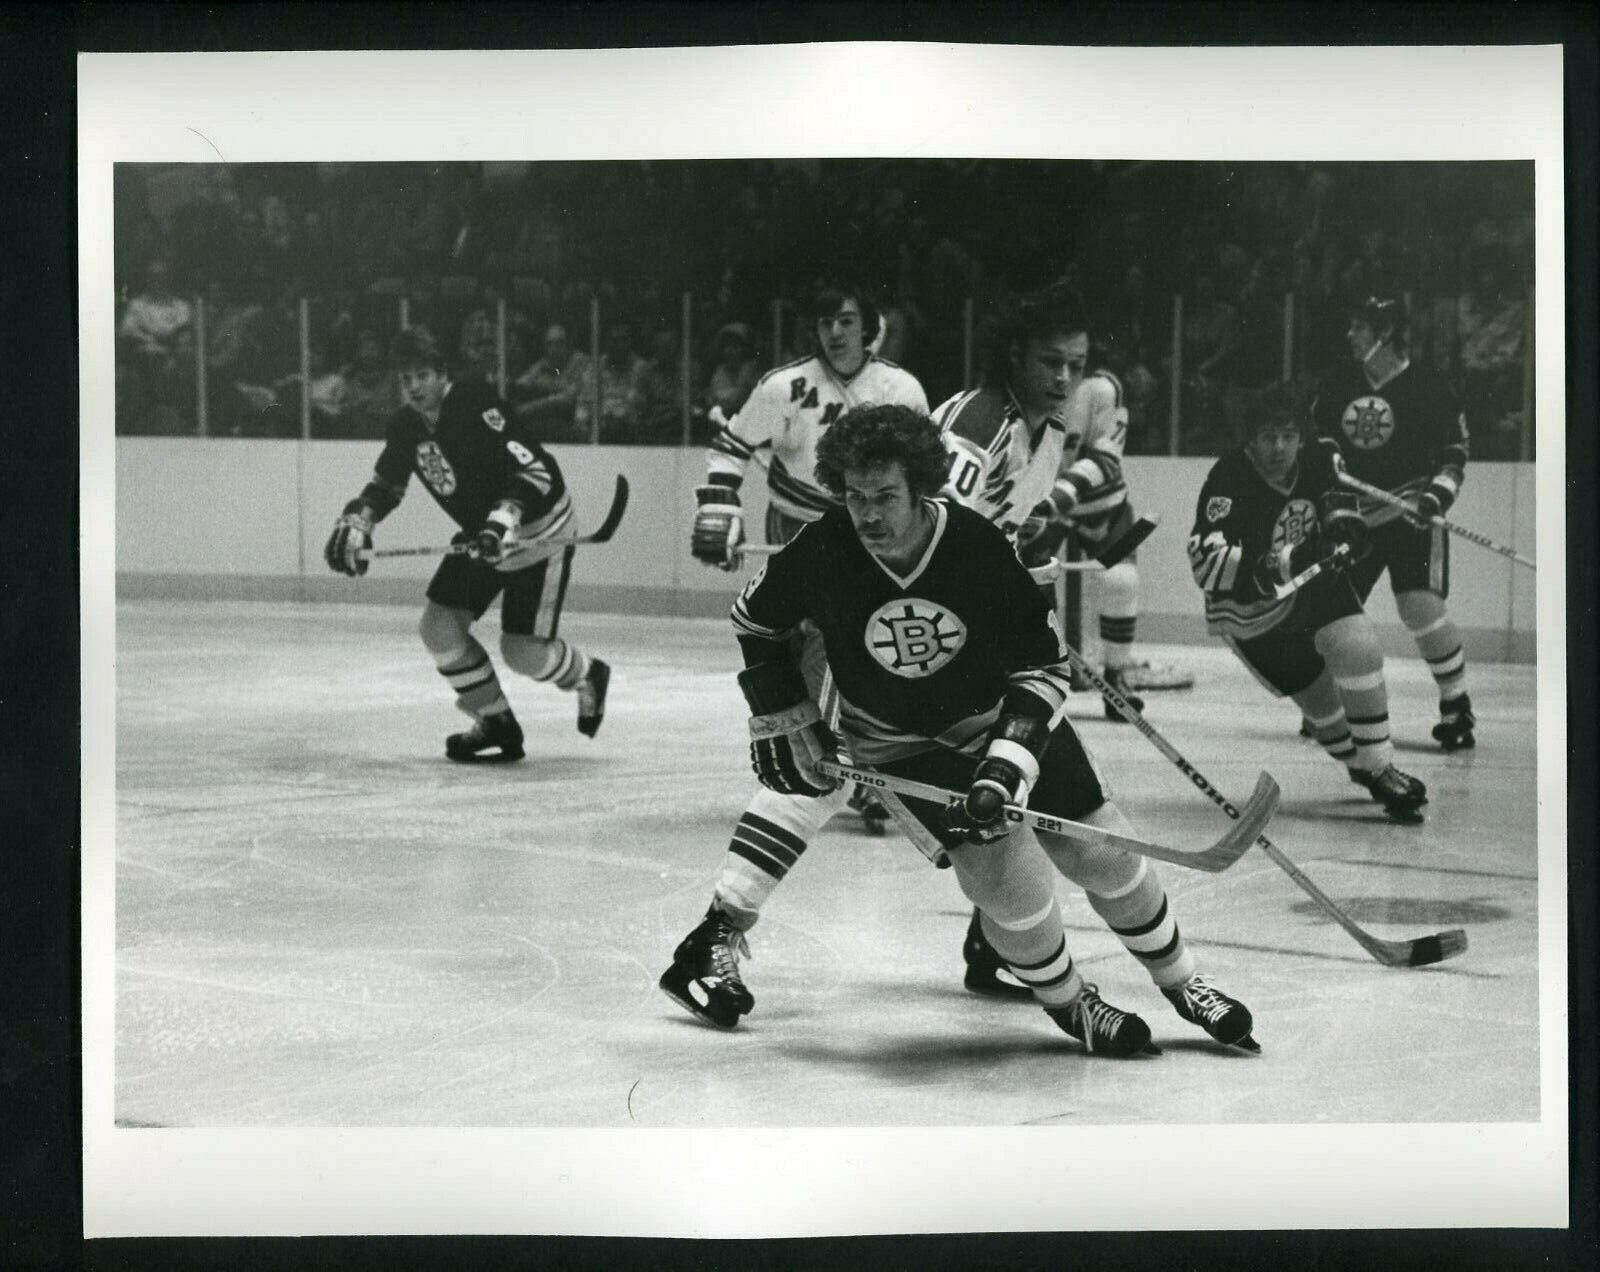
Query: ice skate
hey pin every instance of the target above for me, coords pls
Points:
(499, 731)
(1103, 1029)
(873, 813)
(1114, 677)
(592, 697)
(1456, 721)
(704, 976)
(1225, 1019)
(987, 972)
(1401, 795)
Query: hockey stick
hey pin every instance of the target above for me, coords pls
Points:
(1311, 571)
(1414, 953)
(1211, 859)
(1472, 536)
(601, 534)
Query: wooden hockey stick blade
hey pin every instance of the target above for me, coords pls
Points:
(601, 533)
(1125, 543)
(1211, 859)
(1418, 952)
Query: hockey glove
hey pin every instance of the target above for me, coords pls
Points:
(352, 533)
(1004, 776)
(1434, 501)
(787, 735)
(718, 527)
(1342, 524)
(490, 542)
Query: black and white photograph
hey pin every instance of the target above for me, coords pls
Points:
(746, 637)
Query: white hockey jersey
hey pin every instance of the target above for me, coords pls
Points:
(1002, 468)
(782, 421)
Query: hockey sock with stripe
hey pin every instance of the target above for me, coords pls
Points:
(471, 674)
(768, 841)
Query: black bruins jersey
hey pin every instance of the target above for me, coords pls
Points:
(927, 658)
(477, 456)
(1398, 436)
(1238, 520)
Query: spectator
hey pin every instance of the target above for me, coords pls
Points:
(1489, 324)
(371, 391)
(546, 394)
(658, 393)
(736, 371)
(157, 343)
(616, 371)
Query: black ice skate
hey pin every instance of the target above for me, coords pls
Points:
(704, 976)
(592, 697)
(987, 972)
(1102, 1028)
(1115, 677)
(1456, 721)
(1225, 1019)
(866, 802)
(1401, 795)
(499, 731)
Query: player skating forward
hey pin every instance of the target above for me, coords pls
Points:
(1038, 450)
(1399, 427)
(1268, 511)
(949, 670)
(506, 492)
(779, 427)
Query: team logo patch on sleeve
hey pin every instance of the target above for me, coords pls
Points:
(494, 419)
(1218, 507)
(914, 638)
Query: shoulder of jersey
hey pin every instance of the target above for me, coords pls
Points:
(787, 366)
(1231, 465)
(967, 524)
(975, 414)
(1103, 381)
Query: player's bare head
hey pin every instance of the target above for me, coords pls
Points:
(1050, 326)
(846, 322)
(415, 356)
(1275, 423)
(1376, 320)
(872, 436)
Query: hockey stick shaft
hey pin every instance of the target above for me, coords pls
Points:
(1211, 859)
(1471, 536)
(1310, 572)
(1413, 953)
(601, 534)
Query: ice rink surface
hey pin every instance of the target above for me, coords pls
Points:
(321, 922)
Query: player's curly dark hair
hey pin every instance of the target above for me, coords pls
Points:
(870, 435)
(1058, 309)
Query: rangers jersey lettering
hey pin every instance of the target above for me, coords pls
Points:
(783, 420)
(476, 457)
(1002, 468)
(1239, 518)
(920, 661)
(1400, 435)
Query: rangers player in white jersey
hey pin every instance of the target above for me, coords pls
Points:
(1038, 450)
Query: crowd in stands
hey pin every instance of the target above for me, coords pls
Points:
(223, 254)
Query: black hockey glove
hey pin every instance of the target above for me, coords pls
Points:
(718, 527)
(1434, 501)
(787, 735)
(1341, 524)
(1004, 776)
(494, 536)
(352, 534)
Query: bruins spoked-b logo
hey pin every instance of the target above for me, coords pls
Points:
(435, 468)
(913, 637)
(1296, 523)
(1368, 421)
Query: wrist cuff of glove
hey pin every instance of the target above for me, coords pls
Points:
(505, 517)
(772, 687)
(1444, 489)
(716, 494)
(1020, 758)
(357, 511)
